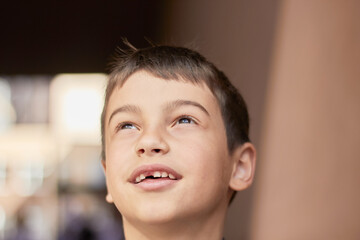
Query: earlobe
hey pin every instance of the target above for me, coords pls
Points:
(109, 198)
(103, 163)
(244, 159)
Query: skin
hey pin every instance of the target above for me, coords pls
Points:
(179, 125)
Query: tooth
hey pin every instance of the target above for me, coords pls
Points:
(164, 174)
(137, 180)
(157, 174)
(142, 176)
(171, 176)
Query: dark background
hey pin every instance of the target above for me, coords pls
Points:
(49, 37)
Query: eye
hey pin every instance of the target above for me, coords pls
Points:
(125, 126)
(185, 120)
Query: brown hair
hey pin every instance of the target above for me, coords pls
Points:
(181, 64)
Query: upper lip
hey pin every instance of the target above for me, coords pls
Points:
(148, 170)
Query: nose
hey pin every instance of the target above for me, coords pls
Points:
(152, 143)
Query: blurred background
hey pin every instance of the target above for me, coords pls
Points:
(295, 62)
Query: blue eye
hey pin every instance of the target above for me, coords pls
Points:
(185, 120)
(128, 126)
(124, 126)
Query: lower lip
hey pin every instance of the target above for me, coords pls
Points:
(155, 184)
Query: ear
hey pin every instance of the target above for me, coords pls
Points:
(108, 197)
(244, 159)
(103, 163)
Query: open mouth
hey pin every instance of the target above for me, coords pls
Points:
(154, 175)
(151, 173)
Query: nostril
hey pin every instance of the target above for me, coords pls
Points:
(145, 151)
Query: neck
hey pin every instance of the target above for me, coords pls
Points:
(209, 228)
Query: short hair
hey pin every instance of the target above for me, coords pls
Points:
(181, 64)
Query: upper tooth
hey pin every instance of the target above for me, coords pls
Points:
(156, 174)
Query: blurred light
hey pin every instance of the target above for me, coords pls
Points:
(3, 176)
(35, 222)
(27, 158)
(29, 178)
(7, 112)
(5, 89)
(2, 222)
(81, 110)
(76, 105)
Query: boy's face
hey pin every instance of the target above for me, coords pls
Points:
(171, 129)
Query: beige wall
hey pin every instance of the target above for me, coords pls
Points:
(309, 178)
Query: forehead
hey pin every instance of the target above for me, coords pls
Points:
(144, 88)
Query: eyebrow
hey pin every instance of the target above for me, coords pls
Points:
(169, 107)
(125, 108)
(178, 103)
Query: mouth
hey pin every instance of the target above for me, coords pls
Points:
(154, 175)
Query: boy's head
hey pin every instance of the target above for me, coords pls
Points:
(174, 136)
(182, 64)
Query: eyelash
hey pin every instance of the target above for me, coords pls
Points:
(121, 125)
(191, 120)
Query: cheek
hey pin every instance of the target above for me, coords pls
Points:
(207, 170)
(119, 146)
(117, 161)
(207, 156)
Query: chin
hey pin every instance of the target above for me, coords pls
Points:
(158, 213)
(150, 211)
(157, 219)
(152, 217)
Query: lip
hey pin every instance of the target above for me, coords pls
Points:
(153, 184)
